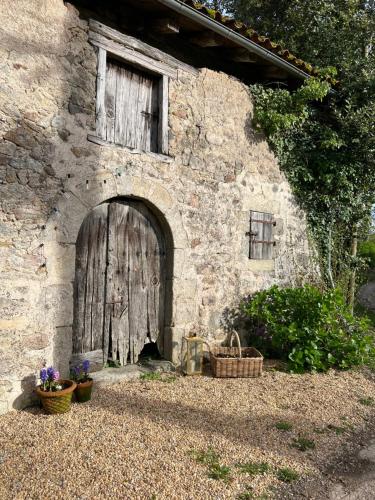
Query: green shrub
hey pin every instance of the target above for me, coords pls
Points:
(311, 329)
(367, 249)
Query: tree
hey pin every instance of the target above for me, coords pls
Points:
(324, 32)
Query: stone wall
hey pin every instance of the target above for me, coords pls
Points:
(51, 176)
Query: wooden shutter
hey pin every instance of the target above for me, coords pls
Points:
(261, 235)
(132, 107)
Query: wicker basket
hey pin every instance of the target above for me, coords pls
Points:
(59, 401)
(238, 365)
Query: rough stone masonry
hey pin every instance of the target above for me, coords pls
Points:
(51, 176)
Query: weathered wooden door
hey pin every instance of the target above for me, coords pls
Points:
(120, 282)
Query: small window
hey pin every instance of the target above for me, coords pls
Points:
(261, 235)
(131, 107)
(131, 92)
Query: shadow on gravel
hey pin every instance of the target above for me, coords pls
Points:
(249, 429)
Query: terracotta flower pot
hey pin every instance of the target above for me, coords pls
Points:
(58, 401)
(83, 391)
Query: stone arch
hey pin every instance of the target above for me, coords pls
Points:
(80, 197)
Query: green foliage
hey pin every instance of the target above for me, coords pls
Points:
(217, 471)
(280, 110)
(311, 329)
(287, 475)
(150, 376)
(211, 459)
(284, 426)
(327, 152)
(367, 401)
(322, 32)
(112, 364)
(367, 250)
(303, 444)
(249, 495)
(158, 376)
(206, 457)
(253, 468)
(338, 430)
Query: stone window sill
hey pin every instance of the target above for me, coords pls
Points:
(155, 156)
(261, 265)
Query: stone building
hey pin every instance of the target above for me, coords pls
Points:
(136, 201)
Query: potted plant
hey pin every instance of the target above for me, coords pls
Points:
(80, 374)
(55, 393)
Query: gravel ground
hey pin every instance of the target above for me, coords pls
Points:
(138, 439)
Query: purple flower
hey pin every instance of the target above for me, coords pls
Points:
(50, 372)
(86, 365)
(43, 375)
(56, 375)
(77, 370)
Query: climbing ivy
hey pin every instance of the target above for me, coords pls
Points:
(325, 147)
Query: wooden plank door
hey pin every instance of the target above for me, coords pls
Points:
(89, 284)
(120, 282)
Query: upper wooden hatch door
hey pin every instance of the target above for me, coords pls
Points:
(119, 284)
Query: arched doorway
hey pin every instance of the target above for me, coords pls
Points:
(120, 281)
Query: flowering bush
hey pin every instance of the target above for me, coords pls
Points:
(312, 330)
(80, 373)
(49, 378)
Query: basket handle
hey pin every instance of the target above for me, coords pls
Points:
(237, 337)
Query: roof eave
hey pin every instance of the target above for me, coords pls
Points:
(186, 10)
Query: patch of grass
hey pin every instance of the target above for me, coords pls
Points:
(366, 401)
(210, 458)
(217, 471)
(246, 495)
(158, 376)
(287, 475)
(253, 468)
(303, 444)
(151, 376)
(284, 426)
(319, 430)
(112, 364)
(338, 430)
(249, 495)
(207, 457)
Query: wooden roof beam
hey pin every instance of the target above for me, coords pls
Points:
(241, 56)
(165, 26)
(207, 39)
